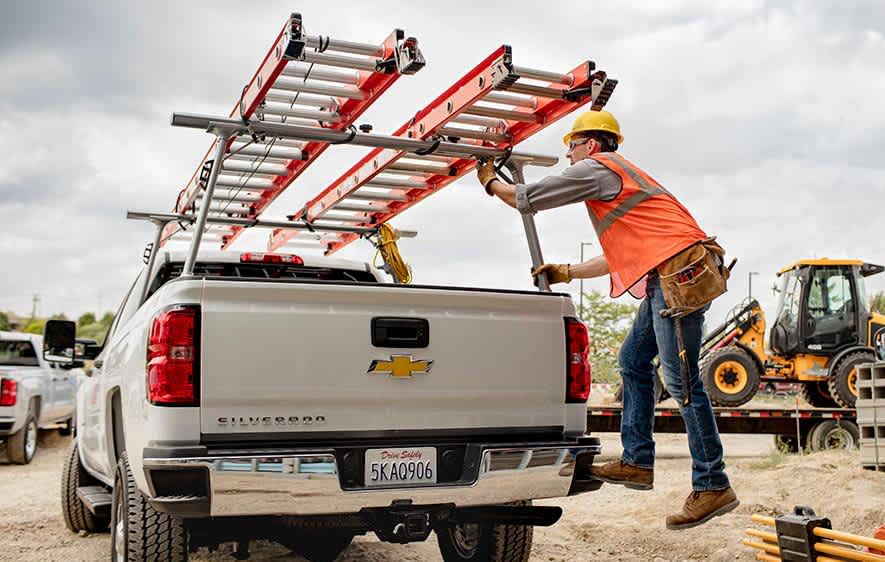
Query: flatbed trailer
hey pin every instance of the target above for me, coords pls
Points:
(815, 429)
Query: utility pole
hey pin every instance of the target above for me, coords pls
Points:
(581, 282)
(750, 275)
(34, 301)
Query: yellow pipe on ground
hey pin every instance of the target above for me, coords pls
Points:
(769, 548)
(845, 552)
(850, 538)
(764, 535)
(763, 520)
(767, 557)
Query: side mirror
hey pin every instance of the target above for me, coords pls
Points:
(59, 340)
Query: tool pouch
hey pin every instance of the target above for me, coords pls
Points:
(693, 278)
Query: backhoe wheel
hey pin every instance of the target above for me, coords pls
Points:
(73, 475)
(730, 376)
(817, 394)
(139, 533)
(485, 542)
(833, 435)
(22, 445)
(842, 383)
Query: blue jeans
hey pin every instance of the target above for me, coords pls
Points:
(652, 336)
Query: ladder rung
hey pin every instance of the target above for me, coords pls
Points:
(479, 121)
(232, 195)
(517, 100)
(534, 74)
(243, 182)
(240, 157)
(325, 102)
(311, 87)
(249, 167)
(424, 168)
(336, 214)
(395, 183)
(370, 207)
(340, 61)
(471, 134)
(322, 221)
(319, 73)
(228, 206)
(431, 157)
(327, 43)
(538, 91)
(300, 112)
(377, 196)
(270, 150)
(275, 141)
(502, 114)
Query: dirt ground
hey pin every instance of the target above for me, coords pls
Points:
(611, 524)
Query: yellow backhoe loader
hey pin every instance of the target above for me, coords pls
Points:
(823, 330)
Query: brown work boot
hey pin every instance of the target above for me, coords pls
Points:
(619, 472)
(700, 507)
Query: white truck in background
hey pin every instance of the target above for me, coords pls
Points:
(34, 393)
(305, 401)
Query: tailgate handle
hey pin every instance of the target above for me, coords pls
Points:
(400, 332)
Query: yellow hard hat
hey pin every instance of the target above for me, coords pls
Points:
(595, 121)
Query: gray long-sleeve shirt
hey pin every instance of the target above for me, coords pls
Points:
(587, 179)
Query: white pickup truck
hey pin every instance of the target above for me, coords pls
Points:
(34, 394)
(307, 401)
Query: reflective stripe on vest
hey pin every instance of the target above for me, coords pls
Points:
(648, 190)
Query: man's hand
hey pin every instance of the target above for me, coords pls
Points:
(556, 273)
(485, 171)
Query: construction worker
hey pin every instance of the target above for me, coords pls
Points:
(640, 226)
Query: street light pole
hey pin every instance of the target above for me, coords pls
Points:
(581, 282)
(750, 275)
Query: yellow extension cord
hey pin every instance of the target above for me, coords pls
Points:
(389, 251)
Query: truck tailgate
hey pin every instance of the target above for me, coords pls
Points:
(283, 358)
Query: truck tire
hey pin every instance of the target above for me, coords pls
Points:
(485, 542)
(834, 435)
(66, 428)
(817, 394)
(73, 475)
(786, 443)
(138, 532)
(22, 445)
(842, 382)
(730, 376)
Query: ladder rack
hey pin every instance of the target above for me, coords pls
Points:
(304, 79)
(495, 105)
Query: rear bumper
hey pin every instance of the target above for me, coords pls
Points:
(7, 426)
(308, 482)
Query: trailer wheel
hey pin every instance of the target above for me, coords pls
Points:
(786, 443)
(730, 376)
(842, 382)
(22, 445)
(834, 435)
(485, 542)
(817, 394)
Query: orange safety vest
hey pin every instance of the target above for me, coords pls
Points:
(642, 227)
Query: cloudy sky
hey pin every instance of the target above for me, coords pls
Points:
(765, 118)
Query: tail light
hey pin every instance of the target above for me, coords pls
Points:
(260, 257)
(8, 392)
(577, 341)
(173, 358)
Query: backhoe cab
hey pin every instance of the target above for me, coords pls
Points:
(823, 329)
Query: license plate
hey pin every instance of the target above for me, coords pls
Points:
(408, 465)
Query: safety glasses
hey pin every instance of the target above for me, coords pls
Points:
(577, 142)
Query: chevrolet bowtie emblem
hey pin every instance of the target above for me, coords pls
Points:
(400, 366)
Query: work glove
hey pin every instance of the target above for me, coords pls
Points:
(485, 171)
(556, 273)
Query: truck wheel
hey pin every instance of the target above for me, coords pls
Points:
(817, 394)
(833, 435)
(139, 532)
(485, 542)
(73, 475)
(730, 376)
(842, 383)
(21, 445)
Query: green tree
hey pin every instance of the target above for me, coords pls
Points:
(58, 316)
(107, 319)
(607, 323)
(85, 319)
(877, 302)
(4, 321)
(35, 326)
